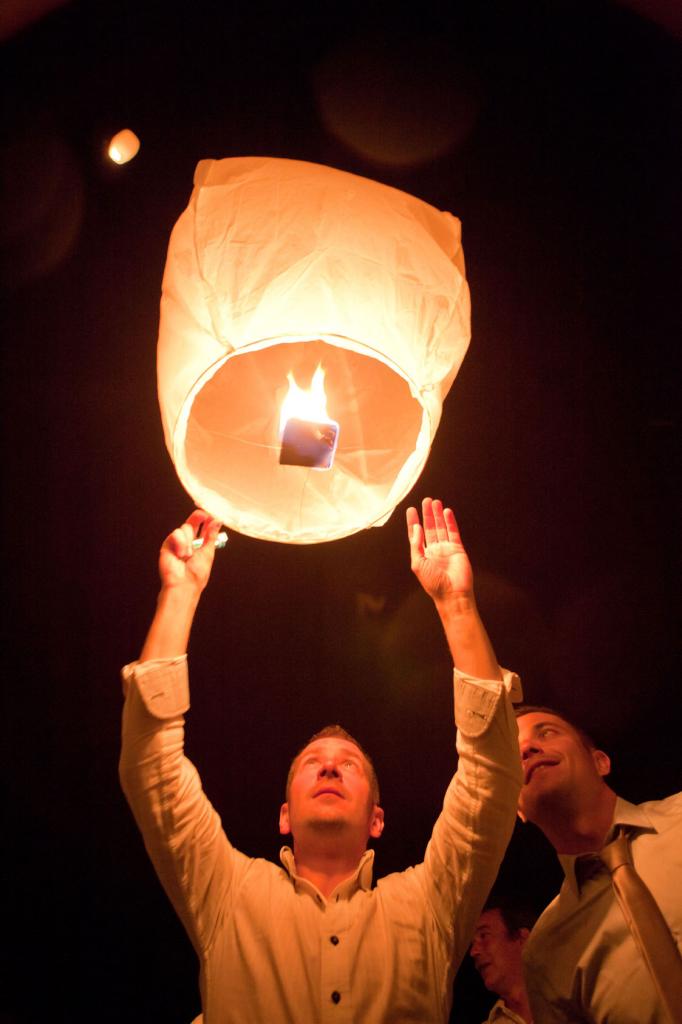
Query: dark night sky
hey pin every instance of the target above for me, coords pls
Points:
(551, 130)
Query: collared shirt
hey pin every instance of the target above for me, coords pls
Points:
(501, 1012)
(272, 949)
(581, 961)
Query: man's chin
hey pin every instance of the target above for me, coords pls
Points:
(540, 789)
(330, 823)
(536, 806)
(488, 978)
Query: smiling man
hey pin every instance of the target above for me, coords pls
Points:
(313, 941)
(582, 962)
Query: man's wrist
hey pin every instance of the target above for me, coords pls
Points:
(456, 605)
(178, 597)
(181, 590)
(168, 634)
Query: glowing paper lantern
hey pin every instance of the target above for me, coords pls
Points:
(123, 147)
(276, 268)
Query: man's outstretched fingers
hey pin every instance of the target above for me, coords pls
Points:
(428, 518)
(414, 532)
(439, 520)
(451, 525)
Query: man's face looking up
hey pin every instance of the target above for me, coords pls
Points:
(330, 789)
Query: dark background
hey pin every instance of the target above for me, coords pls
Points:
(551, 130)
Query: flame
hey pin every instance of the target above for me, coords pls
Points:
(305, 403)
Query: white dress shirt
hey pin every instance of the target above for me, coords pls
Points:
(580, 960)
(272, 949)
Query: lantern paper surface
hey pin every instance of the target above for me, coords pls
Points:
(279, 267)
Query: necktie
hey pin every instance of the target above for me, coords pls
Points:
(647, 924)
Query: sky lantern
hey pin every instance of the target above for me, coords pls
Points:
(312, 323)
(123, 147)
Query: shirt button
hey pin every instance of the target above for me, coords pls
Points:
(336, 997)
(334, 939)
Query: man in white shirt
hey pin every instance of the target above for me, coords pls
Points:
(313, 940)
(581, 960)
(497, 952)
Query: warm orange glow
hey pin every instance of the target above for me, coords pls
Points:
(280, 266)
(123, 147)
(305, 403)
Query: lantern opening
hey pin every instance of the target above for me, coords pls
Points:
(309, 436)
(228, 442)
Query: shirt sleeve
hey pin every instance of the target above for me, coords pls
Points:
(182, 832)
(474, 828)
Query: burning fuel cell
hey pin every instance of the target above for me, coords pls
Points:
(309, 444)
(309, 437)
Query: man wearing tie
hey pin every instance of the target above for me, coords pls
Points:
(604, 950)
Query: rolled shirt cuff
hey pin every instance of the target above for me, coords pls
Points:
(162, 684)
(476, 700)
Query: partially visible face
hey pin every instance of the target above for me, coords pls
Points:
(331, 788)
(556, 763)
(496, 954)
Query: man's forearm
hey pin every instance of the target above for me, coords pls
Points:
(169, 632)
(470, 646)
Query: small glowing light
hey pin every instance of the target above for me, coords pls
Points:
(123, 147)
(309, 437)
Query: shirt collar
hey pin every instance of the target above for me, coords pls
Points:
(360, 879)
(632, 815)
(501, 1011)
(624, 813)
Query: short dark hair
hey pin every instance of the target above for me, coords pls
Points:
(338, 732)
(514, 913)
(527, 709)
